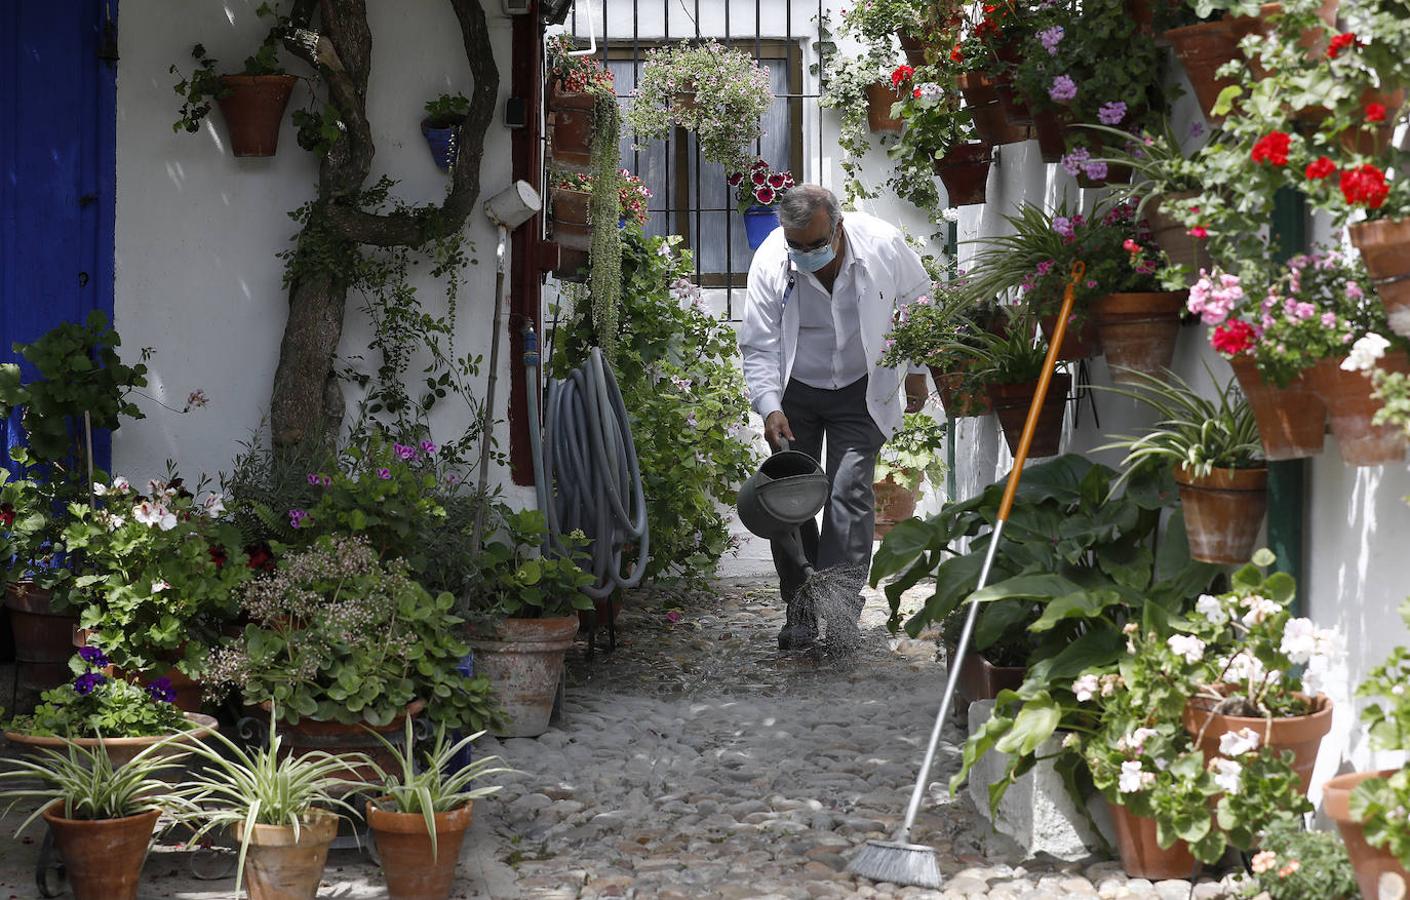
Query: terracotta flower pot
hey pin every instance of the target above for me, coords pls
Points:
(43, 638)
(413, 873)
(572, 264)
(1138, 330)
(102, 857)
(1350, 407)
(1142, 856)
(1369, 862)
(1300, 734)
(253, 107)
(964, 171)
(1202, 48)
(571, 137)
(1223, 512)
(120, 750)
(523, 659)
(1385, 247)
(559, 98)
(1292, 421)
(1080, 341)
(572, 223)
(308, 735)
(880, 98)
(894, 504)
(1050, 127)
(1011, 402)
(981, 96)
(958, 402)
(1016, 110)
(279, 867)
(982, 680)
(1175, 239)
(913, 47)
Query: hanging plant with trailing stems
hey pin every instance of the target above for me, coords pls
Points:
(604, 210)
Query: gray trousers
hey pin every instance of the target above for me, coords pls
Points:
(841, 419)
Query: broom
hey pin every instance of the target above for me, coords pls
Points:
(898, 861)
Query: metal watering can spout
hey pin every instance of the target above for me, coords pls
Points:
(789, 489)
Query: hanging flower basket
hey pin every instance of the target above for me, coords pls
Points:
(1223, 512)
(559, 97)
(1011, 402)
(1369, 862)
(1202, 48)
(880, 98)
(1138, 330)
(1080, 341)
(1351, 407)
(1141, 854)
(1291, 421)
(981, 96)
(1385, 248)
(253, 106)
(571, 140)
(443, 142)
(1300, 734)
(1175, 239)
(964, 171)
(759, 222)
(913, 47)
(958, 402)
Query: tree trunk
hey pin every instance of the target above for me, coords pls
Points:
(300, 405)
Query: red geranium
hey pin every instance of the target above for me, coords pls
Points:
(217, 555)
(760, 163)
(1321, 168)
(764, 195)
(1375, 112)
(1199, 232)
(1272, 148)
(1339, 43)
(260, 558)
(1233, 337)
(956, 54)
(901, 75)
(1365, 186)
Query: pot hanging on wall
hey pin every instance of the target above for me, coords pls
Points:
(913, 47)
(880, 99)
(1080, 341)
(895, 503)
(964, 170)
(443, 140)
(1291, 421)
(1050, 128)
(958, 402)
(1138, 331)
(1175, 239)
(759, 222)
(1223, 512)
(1011, 402)
(1202, 48)
(253, 106)
(1350, 407)
(1370, 863)
(572, 222)
(981, 97)
(570, 139)
(1385, 247)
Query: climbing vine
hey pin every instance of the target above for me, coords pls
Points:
(603, 211)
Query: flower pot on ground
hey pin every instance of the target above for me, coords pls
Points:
(1301, 734)
(1080, 341)
(358, 739)
(981, 97)
(1223, 512)
(102, 858)
(1351, 408)
(964, 170)
(1138, 330)
(281, 864)
(523, 659)
(253, 106)
(1011, 402)
(1141, 854)
(880, 98)
(1385, 248)
(1370, 862)
(982, 680)
(1292, 421)
(43, 637)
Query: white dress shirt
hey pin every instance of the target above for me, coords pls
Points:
(884, 273)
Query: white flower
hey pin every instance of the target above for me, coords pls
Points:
(1132, 779)
(1227, 774)
(1212, 609)
(1398, 690)
(1186, 645)
(121, 484)
(115, 521)
(1085, 687)
(1237, 743)
(1365, 353)
(1243, 667)
(214, 505)
(159, 586)
(100, 489)
(950, 215)
(1259, 609)
(1072, 740)
(1299, 641)
(149, 514)
(1135, 742)
(1109, 684)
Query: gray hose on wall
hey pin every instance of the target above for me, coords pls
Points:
(591, 479)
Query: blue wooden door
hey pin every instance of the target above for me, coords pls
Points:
(58, 73)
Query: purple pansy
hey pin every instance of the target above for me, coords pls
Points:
(93, 656)
(86, 682)
(161, 690)
(384, 474)
(297, 517)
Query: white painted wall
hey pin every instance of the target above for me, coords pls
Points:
(198, 229)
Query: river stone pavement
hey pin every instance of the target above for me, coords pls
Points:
(698, 761)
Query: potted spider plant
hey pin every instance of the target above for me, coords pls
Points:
(281, 807)
(1214, 448)
(102, 815)
(1008, 365)
(420, 823)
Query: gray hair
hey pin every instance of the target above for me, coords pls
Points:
(801, 202)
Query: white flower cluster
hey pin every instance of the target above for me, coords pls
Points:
(1135, 742)
(1307, 645)
(1227, 774)
(1365, 353)
(1237, 743)
(1186, 645)
(1088, 686)
(1133, 779)
(1259, 609)
(1212, 608)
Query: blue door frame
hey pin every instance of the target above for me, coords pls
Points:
(58, 137)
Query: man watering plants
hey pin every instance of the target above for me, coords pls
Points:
(822, 292)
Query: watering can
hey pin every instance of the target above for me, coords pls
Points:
(789, 489)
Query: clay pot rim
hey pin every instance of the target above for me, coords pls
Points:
(319, 825)
(412, 709)
(552, 630)
(204, 725)
(1009, 391)
(382, 819)
(1336, 793)
(1320, 719)
(1199, 28)
(1126, 303)
(244, 79)
(1252, 479)
(50, 816)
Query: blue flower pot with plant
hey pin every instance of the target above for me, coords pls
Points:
(759, 223)
(441, 127)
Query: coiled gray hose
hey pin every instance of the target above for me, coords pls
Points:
(589, 478)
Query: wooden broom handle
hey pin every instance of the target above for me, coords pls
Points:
(1030, 425)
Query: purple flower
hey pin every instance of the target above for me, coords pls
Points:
(86, 682)
(1063, 89)
(428, 448)
(1095, 170)
(93, 656)
(1196, 129)
(315, 480)
(1063, 226)
(404, 453)
(1045, 267)
(1112, 113)
(1051, 37)
(1075, 161)
(161, 690)
(384, 474)
(297, 517)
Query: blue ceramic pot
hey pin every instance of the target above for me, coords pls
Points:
(443, 143)
(759, 223)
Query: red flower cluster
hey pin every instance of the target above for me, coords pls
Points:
(764, 184)
(1233, 338)
(7, 516)
(1199, 232)
(1320, 169)
(956, 54)
(1341, 42)
(1375, 112)
(991, 25)
(901, 75)
(1272, 148)
(1365, 186)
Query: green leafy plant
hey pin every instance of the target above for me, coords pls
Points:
(604, 211)
(913, 453)
(318, 128)
(1379, 804)
(1293, 864)
(876, 23)
(337, 635)
(96, 705)
(846, 94)
(941, 330)
(517, 581)
(26, 532)
(84, 781)
(719, 93)
(203, 85)
(1195, 432)
(433, 786)
(447, 110)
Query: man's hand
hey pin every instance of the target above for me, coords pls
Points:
(776, 429)
(917, 392)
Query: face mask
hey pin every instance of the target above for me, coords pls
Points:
(812, 260)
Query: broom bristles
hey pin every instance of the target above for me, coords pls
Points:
(893, 862)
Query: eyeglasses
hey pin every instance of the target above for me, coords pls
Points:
(817, 245)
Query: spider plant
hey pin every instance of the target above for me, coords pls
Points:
(1006, 261)
(91, 788)
(265, 787)
(1197, 432)
(435, 788)
(1012, 354)
(1160, 165)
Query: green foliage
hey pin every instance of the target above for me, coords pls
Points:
(913, 453)
(604, 210)
(942, 331)
(517, 581)
(1380, 804)
(1293, 864)
(846, 94)
(336, 635)
(204, 84)
(877, 22)
(675, 367)
(447, 110)
(318, 130)
(27, 529)
(111, 707)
